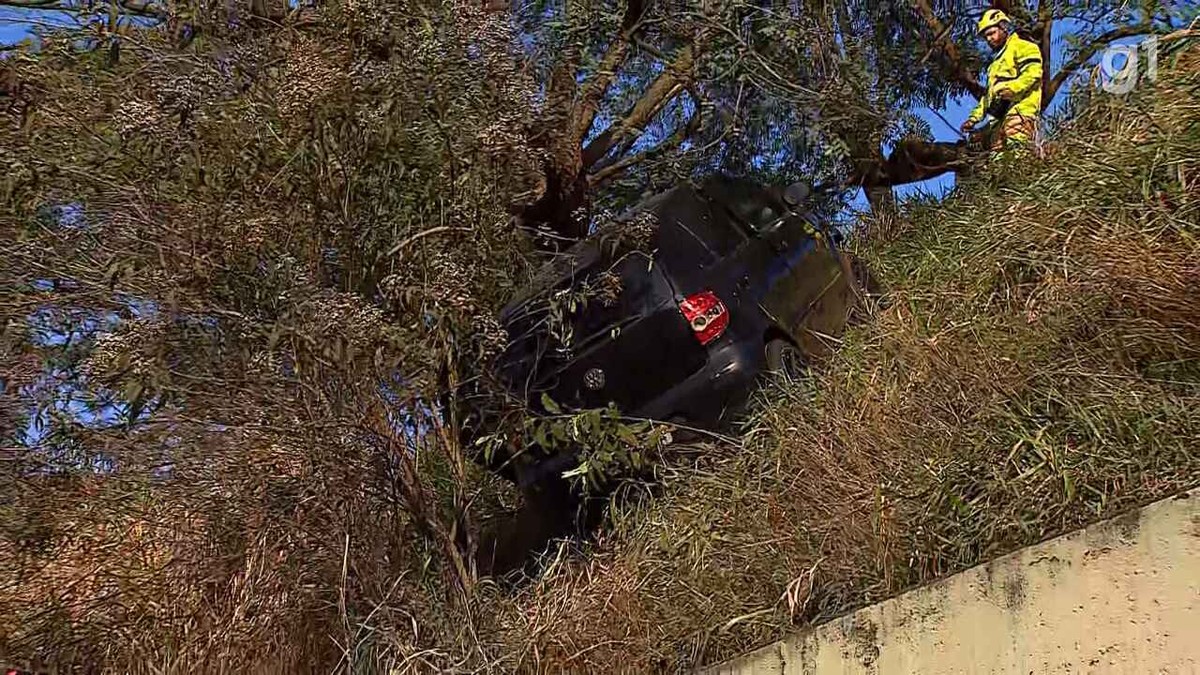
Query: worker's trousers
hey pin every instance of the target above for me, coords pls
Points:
(1017, 135)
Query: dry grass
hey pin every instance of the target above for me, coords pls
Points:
(1037, 367)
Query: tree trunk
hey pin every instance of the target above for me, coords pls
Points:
(559, 214)
(882, 200)
(555, 218)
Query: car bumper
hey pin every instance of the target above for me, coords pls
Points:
(709, 396)
(705, 400)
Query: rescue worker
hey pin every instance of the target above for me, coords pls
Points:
(1014, 85)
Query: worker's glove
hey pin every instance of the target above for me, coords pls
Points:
(999, 108)
(966, 126)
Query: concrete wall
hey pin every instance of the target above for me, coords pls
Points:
(1122, 596)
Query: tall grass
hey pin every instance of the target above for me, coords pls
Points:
(1036, 366)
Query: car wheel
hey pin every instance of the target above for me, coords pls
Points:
(785, 359)
(680, 435)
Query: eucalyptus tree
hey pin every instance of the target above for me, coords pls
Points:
(240, 260)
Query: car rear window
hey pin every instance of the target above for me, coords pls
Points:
(694, 232)
(749, 204)
(615, 295)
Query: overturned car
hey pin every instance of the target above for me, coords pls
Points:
(676, 312)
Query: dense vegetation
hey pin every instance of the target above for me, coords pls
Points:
(248, 252)
(1036, 367)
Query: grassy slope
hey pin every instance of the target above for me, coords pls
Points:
(1037, 367)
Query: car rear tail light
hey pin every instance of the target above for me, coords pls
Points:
(706, 314)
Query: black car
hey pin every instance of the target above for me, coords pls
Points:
(731, 284)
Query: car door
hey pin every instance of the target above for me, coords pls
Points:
(816, 291)
(773, 267)
(798, 268)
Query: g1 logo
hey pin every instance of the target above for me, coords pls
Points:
(1123, 78)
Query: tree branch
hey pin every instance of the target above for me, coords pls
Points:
(566, 188)
(961, 73)
(605, 173)
(912, 160)
(595, 89)
(1045, 32)
(664, 87)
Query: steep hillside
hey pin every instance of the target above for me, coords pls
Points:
(1037, 367)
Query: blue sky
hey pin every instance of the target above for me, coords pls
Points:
(16, 24)
(10, 32)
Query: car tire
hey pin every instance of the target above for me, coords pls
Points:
(681, 436)
(784, 359)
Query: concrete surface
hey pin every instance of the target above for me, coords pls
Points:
(1121, 596)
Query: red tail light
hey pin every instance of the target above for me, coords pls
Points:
(706, 314)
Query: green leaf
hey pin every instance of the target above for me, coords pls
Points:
(627, 435)
(580, 470)
(1068, 486)
(550, 405)
(539, 436)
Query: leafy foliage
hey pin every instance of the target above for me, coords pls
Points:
(235, 279)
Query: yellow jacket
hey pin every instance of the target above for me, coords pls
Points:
(1018, 68)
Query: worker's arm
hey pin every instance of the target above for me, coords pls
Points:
(978, 112)
(1029, 69)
